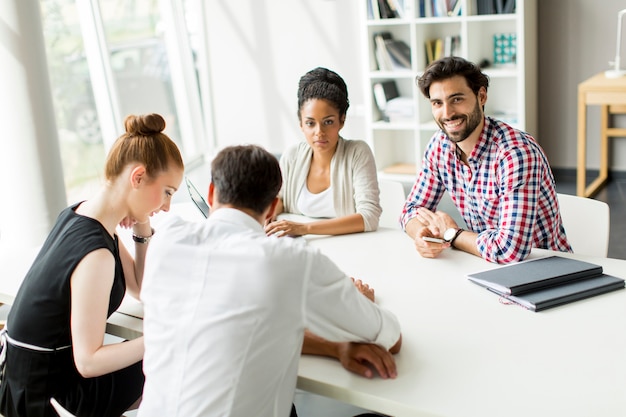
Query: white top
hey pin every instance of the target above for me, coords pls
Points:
(353, 177)
(318, 205)
(225, 308)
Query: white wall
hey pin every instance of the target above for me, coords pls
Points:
(576, 40)
(260, 48)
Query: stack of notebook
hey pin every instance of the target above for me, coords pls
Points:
(548, 282)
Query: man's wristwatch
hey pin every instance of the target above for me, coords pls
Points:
(451, 234)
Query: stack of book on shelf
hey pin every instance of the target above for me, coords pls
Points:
(392, 107)
(494, 6)
(387, 9)
(391, 54)
(440, 8)
(384, 91)
(440, 47)
(400, 110)
(547, 282)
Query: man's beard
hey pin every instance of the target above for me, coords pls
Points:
(471, 123)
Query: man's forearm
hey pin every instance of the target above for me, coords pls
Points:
(466, 242)
(316, 345)
(413, 227)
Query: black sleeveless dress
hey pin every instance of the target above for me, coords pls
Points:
(40, 316)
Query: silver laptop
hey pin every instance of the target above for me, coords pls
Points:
(197, 198)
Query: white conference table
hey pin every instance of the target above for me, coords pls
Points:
(464, 353)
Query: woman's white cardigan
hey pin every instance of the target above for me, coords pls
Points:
(353, 178)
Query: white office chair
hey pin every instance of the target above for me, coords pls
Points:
(586, 223)
(61, 411)
(392, 198)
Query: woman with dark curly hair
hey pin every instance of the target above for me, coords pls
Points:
(327, 177)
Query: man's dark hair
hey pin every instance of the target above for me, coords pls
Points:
(246, 176)
(322, 83)
(448, 67)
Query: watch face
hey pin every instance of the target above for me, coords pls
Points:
(448, 235)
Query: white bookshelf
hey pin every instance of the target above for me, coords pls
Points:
(512, 93)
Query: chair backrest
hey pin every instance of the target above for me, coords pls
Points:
(392, 198)
(61, 411)
(586, 223)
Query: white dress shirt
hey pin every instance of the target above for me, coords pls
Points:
(225, 308)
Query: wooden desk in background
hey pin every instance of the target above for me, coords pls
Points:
(610, 95)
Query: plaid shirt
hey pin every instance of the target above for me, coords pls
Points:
(506, 193)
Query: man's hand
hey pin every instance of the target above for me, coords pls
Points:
(363, 358)
(431, 224)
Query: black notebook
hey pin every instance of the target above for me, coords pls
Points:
(566, 293)
(536, 274)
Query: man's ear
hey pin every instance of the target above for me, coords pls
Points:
(138, 175)
(211, 194)
(270, 213)
(482, 96)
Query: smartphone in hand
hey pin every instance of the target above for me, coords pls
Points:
(433, 239)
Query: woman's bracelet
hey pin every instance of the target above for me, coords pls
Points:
(143, 239)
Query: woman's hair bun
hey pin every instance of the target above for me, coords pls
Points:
(144, 125)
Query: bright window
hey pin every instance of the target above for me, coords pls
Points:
(143, 81)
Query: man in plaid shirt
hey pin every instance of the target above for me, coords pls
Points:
(497, 176)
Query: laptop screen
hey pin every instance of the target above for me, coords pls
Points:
(197, 198)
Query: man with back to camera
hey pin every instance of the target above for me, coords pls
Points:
(225, 306)
(497, 176)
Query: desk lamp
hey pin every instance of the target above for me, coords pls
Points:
(617, 71)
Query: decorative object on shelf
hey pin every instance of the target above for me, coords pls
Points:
(504, 49)
(617, 71)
